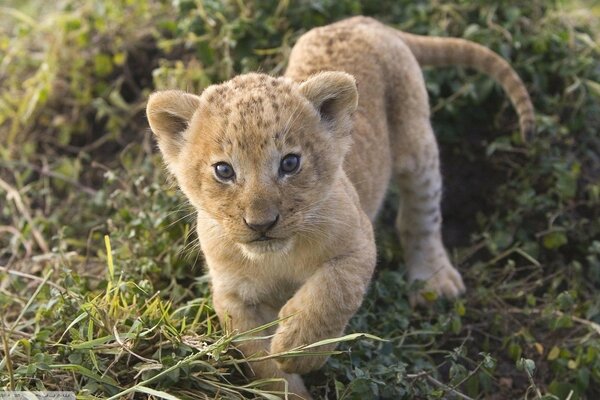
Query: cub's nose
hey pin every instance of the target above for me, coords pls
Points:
(261, 226)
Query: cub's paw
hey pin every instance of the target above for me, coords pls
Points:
(297, 329)
(291, 336)
(295, 387)
(445, 281)
(301, 365)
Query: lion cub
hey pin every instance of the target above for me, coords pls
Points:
(287, 175)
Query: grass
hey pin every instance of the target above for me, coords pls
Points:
(102, 289)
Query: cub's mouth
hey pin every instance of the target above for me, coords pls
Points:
(263, 238)
(266, 245)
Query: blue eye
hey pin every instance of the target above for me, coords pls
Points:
(224, 171)
(289, 164)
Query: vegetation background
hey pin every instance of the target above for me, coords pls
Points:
(77, 162)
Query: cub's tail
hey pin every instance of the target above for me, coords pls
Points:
(442, 51)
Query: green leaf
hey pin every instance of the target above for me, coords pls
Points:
(103, 64)
(85, 372)
(553, 353)
(554, 240)
(457, 373)
(154, 392)
(594, 87)
(561, 389)
(527, 365)
(345, 338)
(515, 351)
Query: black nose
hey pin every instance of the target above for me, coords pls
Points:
(262, 226)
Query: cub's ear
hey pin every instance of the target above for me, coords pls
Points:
(335, 96)
(169, 113)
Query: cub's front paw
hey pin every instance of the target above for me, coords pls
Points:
(298, 364)
(443, 281)
(294, 332)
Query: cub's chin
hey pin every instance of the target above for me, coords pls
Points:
(266, 248)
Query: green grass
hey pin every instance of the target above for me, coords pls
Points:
(78, 164)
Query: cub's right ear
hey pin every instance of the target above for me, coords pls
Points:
(335, 96)
(169, 113)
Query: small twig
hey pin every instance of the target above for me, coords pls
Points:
(570, 395)
(14, 194)
(125, 347)
(538, 393)
(46, 171)
(492, 25)
(31, 300)
(32, 277)
(49, 173)
(431, 379)
(512, 250)
(9, 367)
(466, 378)
(470, 252)
(459, 93)
(590, 324)
(16, 232)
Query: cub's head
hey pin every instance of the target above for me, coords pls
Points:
(257, 155)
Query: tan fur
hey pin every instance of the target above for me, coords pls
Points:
(351, 141)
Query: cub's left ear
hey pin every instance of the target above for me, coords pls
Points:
(169, 113)
(335, 96)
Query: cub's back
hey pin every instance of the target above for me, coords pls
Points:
(383, 66)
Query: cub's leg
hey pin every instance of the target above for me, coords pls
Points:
(416, 165)
(419, 220)
(242, 317)
(321, 308)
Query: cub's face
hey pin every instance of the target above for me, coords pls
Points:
(257, 155)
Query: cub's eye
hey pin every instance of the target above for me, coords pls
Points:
(289, 164)
(224, 171)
